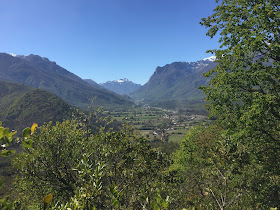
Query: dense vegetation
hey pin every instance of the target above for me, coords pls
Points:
(229, 164)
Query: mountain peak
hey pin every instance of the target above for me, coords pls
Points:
(122, 80)
(121, 86)
(12, 54)
(211, 58)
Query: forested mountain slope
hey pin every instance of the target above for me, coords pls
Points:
(21, 106)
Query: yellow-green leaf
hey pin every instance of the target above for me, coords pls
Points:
(47, 199)
(33, 127)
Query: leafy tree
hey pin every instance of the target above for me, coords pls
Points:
(208, 165)
(81, 170)
(46, 162)
(244, 89)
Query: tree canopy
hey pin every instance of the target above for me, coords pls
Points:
(244, 89)
(243, 92)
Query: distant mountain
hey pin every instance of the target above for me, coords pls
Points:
(39, 72)
(176, 81)
(121, 87)
(21, 106)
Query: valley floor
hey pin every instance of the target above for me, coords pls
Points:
(160, 124)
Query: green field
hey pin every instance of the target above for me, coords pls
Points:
(159, 124)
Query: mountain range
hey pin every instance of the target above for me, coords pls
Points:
(39, 72)
(121, 86)
(176, 81)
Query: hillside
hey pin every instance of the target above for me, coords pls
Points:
(175, 81)
(21, 106)
(39, 72)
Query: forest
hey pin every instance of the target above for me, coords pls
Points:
(92, 161)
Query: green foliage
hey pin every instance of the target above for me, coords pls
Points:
(210, 167)
(104, 170)
(8, 204)
(6, 138)
(243, 92)
(244, 89)
(48, 164)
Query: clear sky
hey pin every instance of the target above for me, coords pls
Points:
(107, 39)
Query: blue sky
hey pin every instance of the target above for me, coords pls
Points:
(107, 39)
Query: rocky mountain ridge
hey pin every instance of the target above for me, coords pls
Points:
(176, 81)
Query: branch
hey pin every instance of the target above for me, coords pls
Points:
(234, 199)
(217, 201)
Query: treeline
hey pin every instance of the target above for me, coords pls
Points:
(73, 166)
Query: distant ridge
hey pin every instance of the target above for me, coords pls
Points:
(39, 72)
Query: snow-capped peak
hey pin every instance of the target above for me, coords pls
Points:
(211, 58)
(122, 80)
(12, 54)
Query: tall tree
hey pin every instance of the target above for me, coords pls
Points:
(244, 91)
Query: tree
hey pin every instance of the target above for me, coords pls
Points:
(208, 165)
(46, 162)
(244, 91)
(84, 170)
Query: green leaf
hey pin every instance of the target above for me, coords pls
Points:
(26, 133)
(116, 203)
(1, 131)
(1, 183)
(12, 133)
(27, 143)
(7, 153)
(6, 132)
(4, 140)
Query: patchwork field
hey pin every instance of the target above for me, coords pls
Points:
(160, 124)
